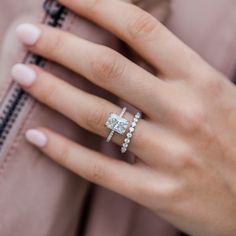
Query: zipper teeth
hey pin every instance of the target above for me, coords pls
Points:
(55, 16)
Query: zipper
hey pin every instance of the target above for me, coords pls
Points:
(16, 98)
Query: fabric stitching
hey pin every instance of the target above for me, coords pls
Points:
(18, 138)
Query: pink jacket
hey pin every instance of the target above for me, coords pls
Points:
(74, 207)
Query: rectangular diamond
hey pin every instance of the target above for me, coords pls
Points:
(117, 123)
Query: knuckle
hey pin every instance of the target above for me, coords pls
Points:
(164, 193)
(95, 119)
(185, 159)
(214, 86)
(141, 24)
(211, 138)
(108, 67)
(191, 119)
(181, 156)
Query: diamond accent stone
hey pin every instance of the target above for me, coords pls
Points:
(138, 115)
(127, 140)
(117, 123)
(125, 145)
(123, 150)
(129, 135)
(131, 129)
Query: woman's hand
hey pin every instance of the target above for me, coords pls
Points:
(186, 147)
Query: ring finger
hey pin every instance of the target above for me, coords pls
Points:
(68, 100)
(92, 114)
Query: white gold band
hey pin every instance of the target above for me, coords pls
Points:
(129, 135)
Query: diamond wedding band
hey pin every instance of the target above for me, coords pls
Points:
(129, 135)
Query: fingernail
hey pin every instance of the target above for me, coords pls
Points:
(23, 74)
(28, 33)
(36, 137)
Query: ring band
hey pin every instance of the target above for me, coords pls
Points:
(117, 124)
(129, 135)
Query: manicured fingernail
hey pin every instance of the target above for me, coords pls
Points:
(28, 33)
(23, 75)
(36, 137)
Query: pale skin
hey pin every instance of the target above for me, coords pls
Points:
(186, 144)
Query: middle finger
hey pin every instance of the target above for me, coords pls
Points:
(101, 65)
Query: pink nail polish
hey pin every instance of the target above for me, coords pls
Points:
(36, 137)
(28, 33)
(23, 74)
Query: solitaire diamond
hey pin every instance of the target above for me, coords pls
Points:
(117, 123)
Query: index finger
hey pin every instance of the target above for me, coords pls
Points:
(141, 31)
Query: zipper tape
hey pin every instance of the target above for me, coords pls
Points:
(55, 16)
